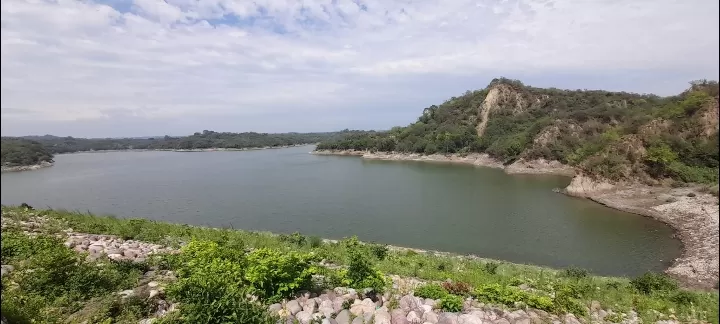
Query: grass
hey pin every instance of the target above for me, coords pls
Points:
(566, 290)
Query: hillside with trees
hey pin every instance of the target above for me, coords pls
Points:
(205, 140)
(22, 152)
(614, 135)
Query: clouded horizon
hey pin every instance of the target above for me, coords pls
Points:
(111, 68)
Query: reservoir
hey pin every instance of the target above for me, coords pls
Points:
(445, 207)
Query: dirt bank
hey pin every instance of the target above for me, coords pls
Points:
(26, 167)
(690, 212)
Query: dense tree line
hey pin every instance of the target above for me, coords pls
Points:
(18, 152)
(611, 134)
(204, 140)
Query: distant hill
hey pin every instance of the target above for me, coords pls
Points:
(614, 135)
(204, 140)
(22, 152)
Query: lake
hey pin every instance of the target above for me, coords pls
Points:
(454, 208)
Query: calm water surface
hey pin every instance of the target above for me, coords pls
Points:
(425, 205)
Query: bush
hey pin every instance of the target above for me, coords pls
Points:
(360, 272)
(431, 291)
(451, 303)
(379, 251)
(294, 238)
(457, 288)
(273, 274)
(575, 273)
(651, 282)
(491, 267)
(684, 298)
(315, 242)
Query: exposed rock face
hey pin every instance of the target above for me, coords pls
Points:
(539, 166)
(585, 186)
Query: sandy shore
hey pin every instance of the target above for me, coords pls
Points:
(690, 212)
(26, 167)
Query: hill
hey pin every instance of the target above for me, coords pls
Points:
(610, 135)
(18, 152)
(205, 140)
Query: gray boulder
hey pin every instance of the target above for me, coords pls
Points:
(398, 316)
(469, 319)
(293, 307)
(343, 317)
(304, 317)
(448, 318)
(382, 317)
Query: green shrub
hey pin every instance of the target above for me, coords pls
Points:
(566, 301)
(683, 297)
(451, 303)
(294, 238)
(491, 267)
(360, 272)
(432, 291)
(651, 282)
(575, 273)
(379, 251)
(315, 242)
(457, 288)
(274, 274)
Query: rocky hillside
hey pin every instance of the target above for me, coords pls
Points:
(613, 135)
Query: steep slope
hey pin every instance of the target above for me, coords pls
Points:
(612, 135)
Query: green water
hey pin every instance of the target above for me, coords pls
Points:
(443, 207)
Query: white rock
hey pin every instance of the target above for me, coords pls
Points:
(413, 317)
(304, 317)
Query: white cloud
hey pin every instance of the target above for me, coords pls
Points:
(78, 60)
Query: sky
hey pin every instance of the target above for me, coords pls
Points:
(111, 68)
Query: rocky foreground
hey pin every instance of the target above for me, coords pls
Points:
(25, 167)
(338, 305)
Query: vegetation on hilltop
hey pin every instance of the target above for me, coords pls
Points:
(22, 152)
(614, 135)
(216, 269)
(206, 139)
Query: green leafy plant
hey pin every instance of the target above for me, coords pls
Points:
(451, 303)
(651, 282)
(432, 291)
(379, 251)
(491, 267)
(575, 273)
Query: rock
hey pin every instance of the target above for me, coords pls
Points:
(126, 293)
(129, 254)
(80, 248)
(408, 303)
(398, 316)
(570, 319)
(358, 320)
(153, 293)
(413, 317)
(469, 319)
(153, 284)
(309, 305)
(430, 317)
(343, 317)
(115, 256)
(426, 308)
(146, 321)
(595, 305)
(382, 317)
(274, 308)
(430, 302)
(329, 321)
(448, 318)
(304, 317)
(293, 306)
(337, 304)
(602, 313)
(6, 269)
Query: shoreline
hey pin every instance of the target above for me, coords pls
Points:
(212, 149)
(21, 168)
(692, 214)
